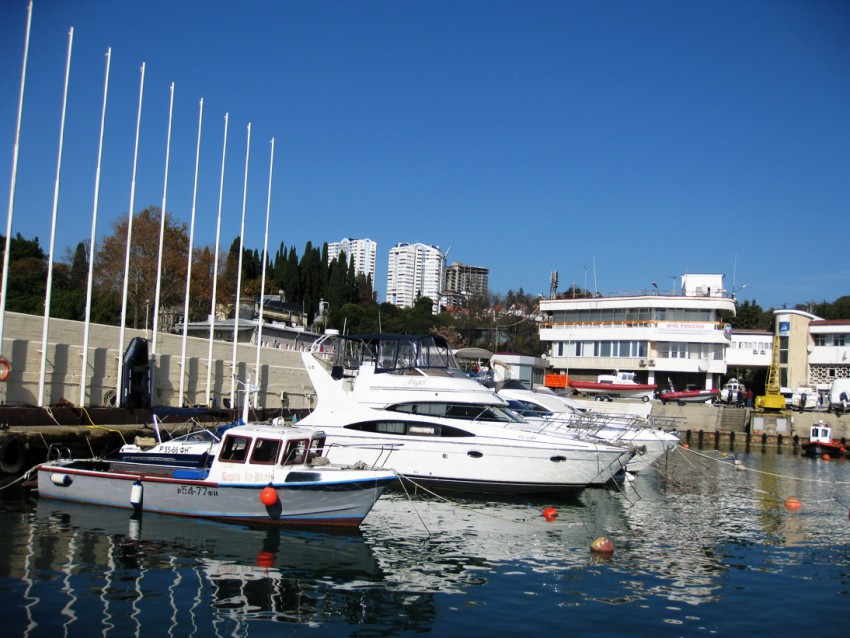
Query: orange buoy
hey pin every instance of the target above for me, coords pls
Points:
(685, 445)
(826, 457)
(268, 496)
(602, 546)
(550, 514)
(265, 559)
(792, 503)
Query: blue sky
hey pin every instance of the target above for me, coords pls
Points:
(619, 143)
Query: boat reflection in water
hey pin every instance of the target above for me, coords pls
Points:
(161, 570)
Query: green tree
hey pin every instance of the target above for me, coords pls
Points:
(751, 316)
(27, 278)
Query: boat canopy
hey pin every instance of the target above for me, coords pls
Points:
(393, 352)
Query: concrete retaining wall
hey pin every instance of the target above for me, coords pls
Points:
(283, 382)
(725, 419)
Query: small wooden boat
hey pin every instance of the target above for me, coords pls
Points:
(261, 473)
(689, 395)
(613, 386)
(820, 442)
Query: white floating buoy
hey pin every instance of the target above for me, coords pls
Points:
(136, 495)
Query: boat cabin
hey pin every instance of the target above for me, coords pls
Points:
(820, 433)
(618, 377)
(259, 445)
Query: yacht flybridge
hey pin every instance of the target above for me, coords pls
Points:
(402, 402)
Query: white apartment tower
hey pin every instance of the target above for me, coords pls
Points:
(360, 253)
(414, 270)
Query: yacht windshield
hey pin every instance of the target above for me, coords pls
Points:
(464, 411)
(396, 352)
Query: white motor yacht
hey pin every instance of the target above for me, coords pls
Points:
(402, 402)
(554, 414)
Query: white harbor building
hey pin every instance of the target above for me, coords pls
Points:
(680, 335)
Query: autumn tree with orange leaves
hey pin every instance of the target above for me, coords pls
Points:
(141, 282)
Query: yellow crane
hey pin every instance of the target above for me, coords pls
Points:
(772, 399)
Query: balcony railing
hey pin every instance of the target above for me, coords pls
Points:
(637, 323)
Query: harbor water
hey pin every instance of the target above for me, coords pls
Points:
(704, 544)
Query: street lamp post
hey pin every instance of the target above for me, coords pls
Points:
(735, 290)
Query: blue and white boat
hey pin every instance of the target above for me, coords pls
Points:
(260, 474)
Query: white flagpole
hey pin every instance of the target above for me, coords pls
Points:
(47, 295)
(119, 380)
(215, 265)
(3, 286)
(161, 234)
(85, 364)
(191, 247)
(239, 275)
(265, 260)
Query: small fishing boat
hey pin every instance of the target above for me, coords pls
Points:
(261, 474)
(820, 442)
(689, 395)
(613, 386)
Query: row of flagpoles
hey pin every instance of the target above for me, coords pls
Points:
(121, 346)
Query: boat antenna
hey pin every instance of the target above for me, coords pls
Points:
(595, 285)
(734, 269)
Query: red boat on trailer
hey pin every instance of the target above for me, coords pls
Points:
(611, 386)
(689, 395)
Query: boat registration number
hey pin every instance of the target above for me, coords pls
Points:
(197, 490)
(175, 449)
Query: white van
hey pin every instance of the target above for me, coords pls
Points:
(839, 396)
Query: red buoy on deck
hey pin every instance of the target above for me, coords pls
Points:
(792, 503)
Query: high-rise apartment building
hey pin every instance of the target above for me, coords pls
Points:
(413, 271)
(465, 282)
(360, 253)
